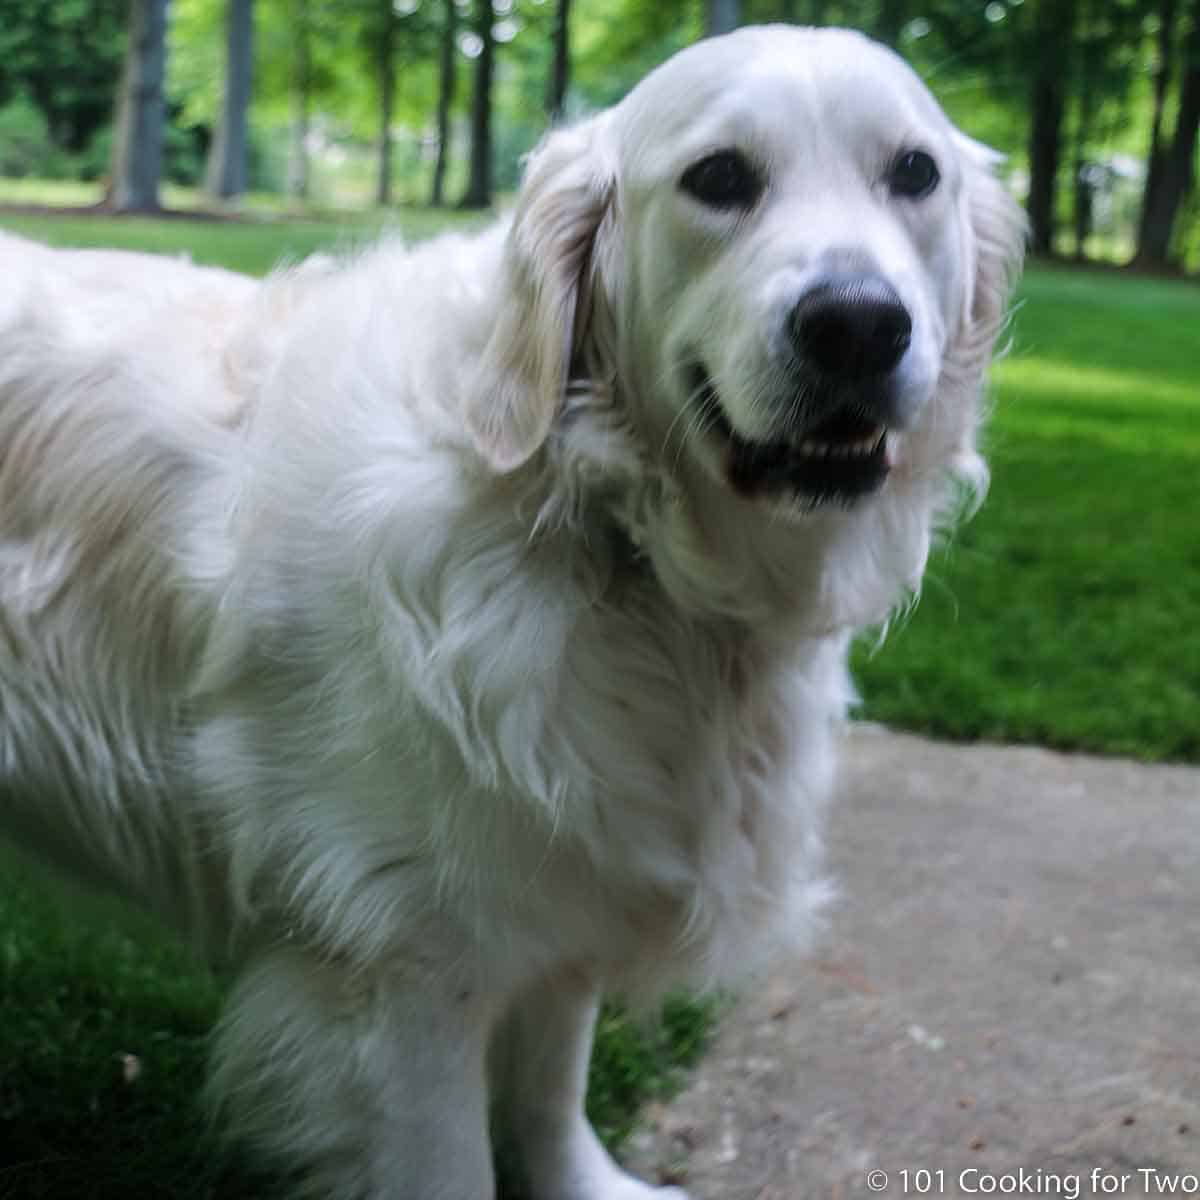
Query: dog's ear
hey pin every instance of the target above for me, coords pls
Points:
(996, 232)
(549, 259)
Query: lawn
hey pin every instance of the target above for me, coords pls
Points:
(250, 246)
(103, 1028)
(1067, 612)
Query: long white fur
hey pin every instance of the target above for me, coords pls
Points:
(380, 626)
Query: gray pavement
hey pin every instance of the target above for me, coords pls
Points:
(1008, 996)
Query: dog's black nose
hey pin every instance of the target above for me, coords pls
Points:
(851, 326)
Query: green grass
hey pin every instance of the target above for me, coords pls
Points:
(252, 246)
(75, 193)
(1068, 611)
(85, 983)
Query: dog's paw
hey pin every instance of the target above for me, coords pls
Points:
(617, 1185)
(590, 1174)
(629, 1188)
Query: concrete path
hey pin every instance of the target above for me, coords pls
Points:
(1008, 997)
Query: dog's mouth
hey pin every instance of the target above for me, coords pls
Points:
(843, 457)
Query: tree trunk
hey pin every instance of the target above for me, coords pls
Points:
(1045, 131)
(447, 78)
(560, 73)
(138, 136)
(1162, 82)
(1177, 163)
(301, 92)
(1054, 33)
(479, 184)
(387, 101)
(722, 17)
(1084, 186)
(225, 176)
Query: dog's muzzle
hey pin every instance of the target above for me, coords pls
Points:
(846, 337)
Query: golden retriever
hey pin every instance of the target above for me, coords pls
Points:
(446, 636)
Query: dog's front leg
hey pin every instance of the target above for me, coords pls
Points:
(370, 1084)
(547, 1065)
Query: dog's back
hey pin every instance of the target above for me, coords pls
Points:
(114, 424)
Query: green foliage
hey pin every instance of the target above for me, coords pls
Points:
(195, 58)
(66, 57)
(618, 41)
(26, 148)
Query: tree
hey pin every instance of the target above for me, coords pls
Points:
(63, 57)
(1162, 83)
(625, 41)
(138, 134)
(387, 98)
(479, 184)
(723, 16)
(1053, 33)
(447, 80)
(1106, 63)
(300, 89)
(225, 177)
(560, 73)
(1086, 111)
(1171, 165)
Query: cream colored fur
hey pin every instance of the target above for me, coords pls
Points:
(390, 628)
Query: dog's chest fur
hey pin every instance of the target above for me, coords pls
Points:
(507, 764)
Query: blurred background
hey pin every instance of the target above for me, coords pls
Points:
(294, 106)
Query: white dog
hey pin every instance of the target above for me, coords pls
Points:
(445, 637)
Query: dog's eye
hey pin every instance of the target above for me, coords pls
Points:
(913, 174)
(723, 180)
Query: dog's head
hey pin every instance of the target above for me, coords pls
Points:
(788, 262)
